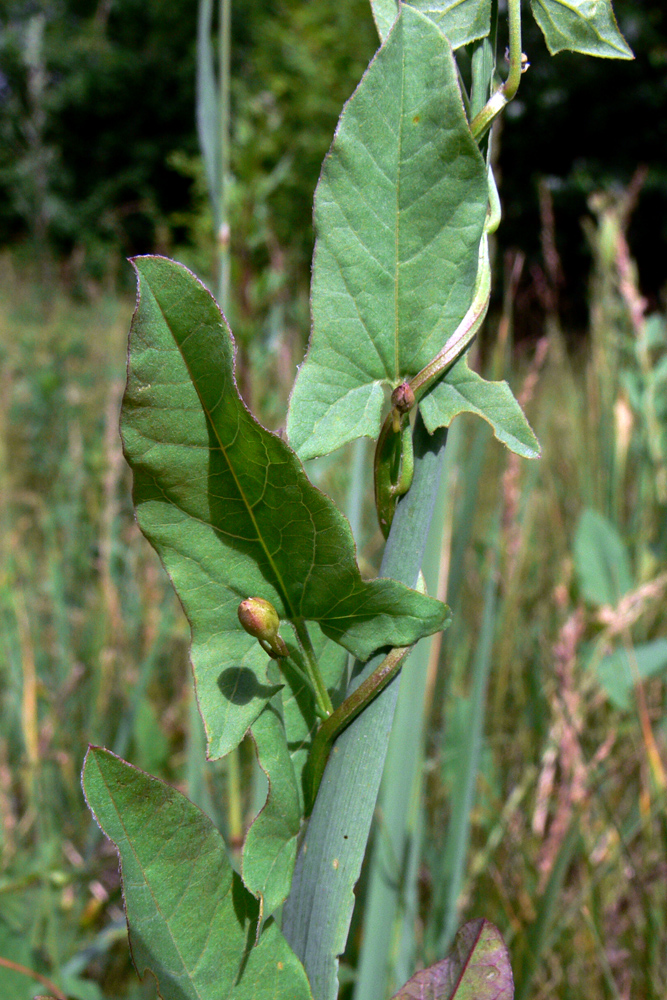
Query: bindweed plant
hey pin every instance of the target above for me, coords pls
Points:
(264, 564)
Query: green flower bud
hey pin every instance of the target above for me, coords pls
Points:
(260, 619)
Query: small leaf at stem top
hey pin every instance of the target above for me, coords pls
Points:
(586, 26)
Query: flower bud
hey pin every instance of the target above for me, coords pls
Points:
(260, 619)
(403, 398)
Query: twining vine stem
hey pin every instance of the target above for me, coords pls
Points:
(345, 713)
(484, 119)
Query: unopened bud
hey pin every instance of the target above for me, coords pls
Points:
(260, 619)
(403, 398)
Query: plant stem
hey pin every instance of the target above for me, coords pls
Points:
(513, 80)
(345, 713)
(316, 916)
(484, 119)
(322, 698)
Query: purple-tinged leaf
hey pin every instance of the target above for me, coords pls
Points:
(478, 968)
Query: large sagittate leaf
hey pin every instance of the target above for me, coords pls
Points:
(231, 512)
(192, 923)
(399, 213)
(464, 391)
(587, 26)
(477, 969)
(462, 21)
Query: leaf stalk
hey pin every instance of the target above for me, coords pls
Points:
(322, 700)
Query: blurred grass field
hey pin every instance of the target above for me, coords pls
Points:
(556, 571)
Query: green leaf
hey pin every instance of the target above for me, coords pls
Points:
(462, 21)
(192, 924)
(399, 214)
(231, 512)
(385, 13)
(477, 969)
(601, 560)
(464, 391)
(619, 672)
(586, 26)
(269, 851)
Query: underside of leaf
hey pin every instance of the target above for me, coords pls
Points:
(399, 214)
(464, 391)
(585, 26)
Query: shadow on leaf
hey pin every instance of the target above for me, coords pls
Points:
(239, 685)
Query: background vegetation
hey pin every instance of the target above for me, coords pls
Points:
(556, 577)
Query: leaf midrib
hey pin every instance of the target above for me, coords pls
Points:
(281, 583)
(397, 358)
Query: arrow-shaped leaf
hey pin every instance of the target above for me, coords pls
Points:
(399, 213)
(586, 26)
(464, 391)
(477, 969)
(232, 514)
(191, 922)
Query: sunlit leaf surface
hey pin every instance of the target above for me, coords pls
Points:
(399, 213)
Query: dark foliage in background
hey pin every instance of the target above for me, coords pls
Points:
(593, 122)
(85, 146)
(98, 153)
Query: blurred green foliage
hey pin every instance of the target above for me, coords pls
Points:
(586, 124)
(99, 157)
(97, 113)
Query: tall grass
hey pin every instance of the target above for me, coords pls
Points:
(92, 645)
(537, 796)
(554, 827)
